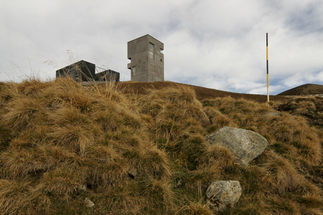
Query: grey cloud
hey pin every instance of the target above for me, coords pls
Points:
(308, 19)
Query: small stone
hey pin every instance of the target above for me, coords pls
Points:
(82, 187)
(223, 194)
(132, 172)
(88, 203)
(273, 114)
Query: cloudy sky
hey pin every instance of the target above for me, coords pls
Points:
(219, 44)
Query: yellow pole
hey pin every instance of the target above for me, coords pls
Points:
(267, 67)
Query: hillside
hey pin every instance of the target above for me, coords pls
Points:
(306, 89)
(201, 92)
(134, 148)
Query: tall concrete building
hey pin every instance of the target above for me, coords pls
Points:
(147, 59)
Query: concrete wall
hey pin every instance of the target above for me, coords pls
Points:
(147, 65)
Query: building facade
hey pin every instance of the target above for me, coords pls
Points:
(147, 59)
(83, 71)
(79, 71)
(108, 76)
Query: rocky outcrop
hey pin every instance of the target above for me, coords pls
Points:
(244, 144)
(223, 194)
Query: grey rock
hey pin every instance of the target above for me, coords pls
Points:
(273, 114)
(244, 144)
(223, 194)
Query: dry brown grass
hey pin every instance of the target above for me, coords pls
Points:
(71, 141)
(61, 142)
(283, 174)
(217, 155)
(19, 197)
(195, 209)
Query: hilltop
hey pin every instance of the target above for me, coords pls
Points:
(201, 92)
(306, 89)
(134, 148)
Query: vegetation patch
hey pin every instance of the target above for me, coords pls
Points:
(62, 143)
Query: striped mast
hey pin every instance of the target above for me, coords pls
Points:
(267, 67)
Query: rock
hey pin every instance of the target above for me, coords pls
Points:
(223, 194)
(82, 187)
(88, 203)
(244, 144)
(132, 172)
(273, 114)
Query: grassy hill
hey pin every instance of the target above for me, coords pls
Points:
(144, 153)
(306, 89)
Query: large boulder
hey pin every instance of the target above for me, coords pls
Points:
(244, 144)
(223, 194)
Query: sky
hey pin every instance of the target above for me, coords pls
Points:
(218, 44)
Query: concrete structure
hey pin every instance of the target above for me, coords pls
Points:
(147, 59)
(83, 71)
(79, 71)
(108, 75)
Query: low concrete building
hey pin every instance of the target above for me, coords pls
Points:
(147, 59)
(108, 76)
(83, 71)
(79, 71)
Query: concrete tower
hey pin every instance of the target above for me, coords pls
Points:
(147, 59)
